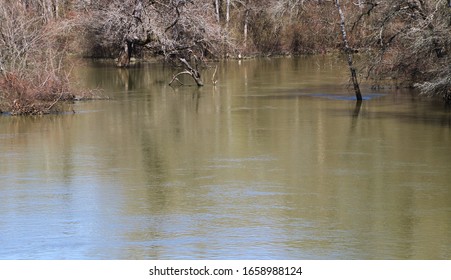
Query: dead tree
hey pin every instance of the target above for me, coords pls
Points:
(189, 70)
(348, 51)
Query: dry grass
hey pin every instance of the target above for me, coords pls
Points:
(20, 96)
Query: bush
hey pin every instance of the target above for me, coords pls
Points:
(410, 42)
(21, 96)
(32, 76)
(265, 33)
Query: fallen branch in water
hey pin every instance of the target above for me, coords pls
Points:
(189, 70)
(175, 78)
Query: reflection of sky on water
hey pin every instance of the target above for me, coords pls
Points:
(237, 171)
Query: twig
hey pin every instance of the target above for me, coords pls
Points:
(56, 101)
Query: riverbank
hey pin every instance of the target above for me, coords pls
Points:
(411, 47)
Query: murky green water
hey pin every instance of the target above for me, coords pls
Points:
(275, 162)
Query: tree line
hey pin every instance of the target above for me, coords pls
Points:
(405, 42)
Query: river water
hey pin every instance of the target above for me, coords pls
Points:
(274, 162)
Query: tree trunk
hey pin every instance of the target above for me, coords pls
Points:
(56, 8)
(189, 70)
(125, 55)
(227, 14)
(246, 24)
(49, 9)
(348, 52)
(194, 72)
(217, 10)
(131, 38)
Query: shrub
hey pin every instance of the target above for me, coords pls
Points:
(32, 76)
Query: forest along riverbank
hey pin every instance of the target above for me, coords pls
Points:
(406, 43)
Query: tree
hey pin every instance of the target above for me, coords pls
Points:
(183, 32)
(32, 58)
(48, 9)
(409, 41)
(348, 52)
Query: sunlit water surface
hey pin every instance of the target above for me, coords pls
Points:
(274, 162)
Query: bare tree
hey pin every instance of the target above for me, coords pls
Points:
(409, 42)
(228, 3)
(32, 59)
(47, 9)
(217, 10)
(246, 26)
(183, 32)
(348, 52)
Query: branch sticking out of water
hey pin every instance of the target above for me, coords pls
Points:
(189, 70)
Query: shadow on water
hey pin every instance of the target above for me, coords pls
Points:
(403, 107)
(356, 113)
(358, 106)
(366, 97)
(289, 94)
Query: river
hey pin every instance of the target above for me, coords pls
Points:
(274, 162)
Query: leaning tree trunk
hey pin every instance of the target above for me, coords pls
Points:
(348, 52)
(193, 72)
(189, 70)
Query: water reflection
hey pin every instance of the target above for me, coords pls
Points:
(252, 168)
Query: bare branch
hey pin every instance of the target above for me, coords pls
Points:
(175, 78)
